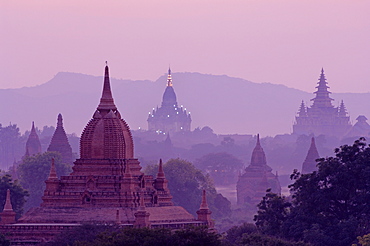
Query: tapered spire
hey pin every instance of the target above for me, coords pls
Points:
(160, 174)
(53, 172)
(309, 164)
(8, 205)
(302, 110)
(258, 155)
(106, 101)
(33, 145)
(322, 98)
(342, 112)
(169, 77)
(204, 204)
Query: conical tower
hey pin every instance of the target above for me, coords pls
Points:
(33, 145)
(204, 213)
(302, 110)
(8, 214)
(322, 99)
(59, 142)
(309, 164)
(258, 156)
(342, 112)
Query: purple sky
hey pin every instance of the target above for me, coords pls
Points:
(283, 42)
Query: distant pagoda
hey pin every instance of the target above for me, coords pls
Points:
(59, 142)
(33, 145)
(309, 164)
(169, 117)
(256, 179)
(322, 117)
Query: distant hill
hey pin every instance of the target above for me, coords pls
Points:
(226, 104)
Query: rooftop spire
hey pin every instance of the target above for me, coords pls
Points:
(204, 204)
(302, 110)
(322, 99)
(33, 145)
(53, 172)
(8, 205)
(169, 77)
(106, 101)
(258, 155)
(160, 174)
(309, 164)
(342, 110)
(60, 121)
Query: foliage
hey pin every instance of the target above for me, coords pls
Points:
(105, 235)
(329, 206)
(186, 184)
(364, 240)
(17, 194)
(11, 144)
(223, 167)
(4, 241)
(247, 234)
(33, 172)
(272, 213)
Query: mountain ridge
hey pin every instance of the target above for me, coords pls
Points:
(226, 104)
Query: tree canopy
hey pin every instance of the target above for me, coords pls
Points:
(17, 194)
(34, 170)
(330, 206)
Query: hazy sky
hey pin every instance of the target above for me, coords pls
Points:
(284, 42)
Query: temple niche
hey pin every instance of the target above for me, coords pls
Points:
(106, 185)
(322, 118)
(256, 179)
(169, 118)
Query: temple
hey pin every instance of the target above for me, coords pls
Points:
(33, 145)
(169, 118)
(256, 179)
(322, 117)
(106, 185)
(309, 164)
(59, 142)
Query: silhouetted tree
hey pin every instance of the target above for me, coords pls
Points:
(17, 194)
(34, 170)
(329, 206)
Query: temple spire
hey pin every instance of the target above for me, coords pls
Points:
(258, 155)
(160, 174)
(204, 204)
(322, 98)
(53, 172)
(33, 145)
(309, 164)
(169, 77)
(106, 101)
(302, 110)
(8, 205)
(342, 112)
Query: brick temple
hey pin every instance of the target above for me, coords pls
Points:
(106, 186)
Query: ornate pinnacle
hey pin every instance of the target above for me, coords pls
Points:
(106, 101)
(204, 204)
(160, 174)
(8, 205)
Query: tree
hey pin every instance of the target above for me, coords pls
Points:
(272, 213)
(107, 235)
(33, 172)
(186, 184)
(223, 167)
(330, 206)
(17, 194)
